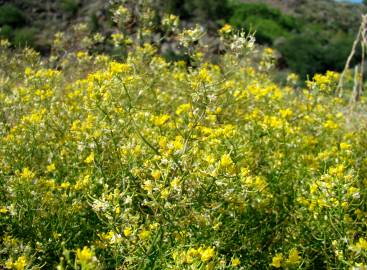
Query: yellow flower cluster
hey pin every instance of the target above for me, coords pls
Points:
(142, 163)
(325, 83)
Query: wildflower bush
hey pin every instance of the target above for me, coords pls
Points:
(150, 164)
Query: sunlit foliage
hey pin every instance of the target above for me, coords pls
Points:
(150, 164)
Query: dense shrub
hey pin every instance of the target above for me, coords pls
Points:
(303, 54)
(316, 51)
(266, 30)
(200, 10)
(6, 32)
(150, 164)
(70, 6)
(306, 47)
(25, 36)
(205, 9)
(11, 15)
(242, 12)
(272, 26)
(338, 50)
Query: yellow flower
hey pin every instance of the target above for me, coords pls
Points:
(183, 108)
(273, 121)
(156, 174)
(165, 193)
(344, 146)
(178, 143)
(160, 120)
(204, 76)
(170, 21)
(188, 258)
(117, 39)
(292, 78)
(362, 244)
(235, 262)
(90, 158)
(128, 231)
(84, 255)
(81, 54)
(207, 254)
(294, 257)
(286, 113)
(65, 185)
(148, 186)
(27, 173)
(175, 183)
(144, 234)
(192, 252)
(209, 158)
(162, 142)
(51, 167)
(277, 260)
(330, 124)
(226, 29)
(218, 110)
(268, 51)
(226, 161)
(325, 83)
(20, 263)
(28, 71)
(116, 68)
(9, 264)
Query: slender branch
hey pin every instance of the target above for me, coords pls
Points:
(352, 53)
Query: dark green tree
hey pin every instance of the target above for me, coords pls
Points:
(201, 10)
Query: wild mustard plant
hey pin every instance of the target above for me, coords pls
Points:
(150, 164)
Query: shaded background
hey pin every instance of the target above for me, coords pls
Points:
(311, 36)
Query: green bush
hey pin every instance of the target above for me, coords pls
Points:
(6, 31)
(338, 51)
(208, 8)
(70, 6)
(262, 10)
(306, 47)
(316, 50)
(242, 12)
(267, 30)
(199, 9)
(11, 15)
(302, 53)
(25, 37)
(269, 23)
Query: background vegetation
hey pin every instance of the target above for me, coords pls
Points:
(311, 36)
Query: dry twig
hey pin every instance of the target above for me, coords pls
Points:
(360, 39)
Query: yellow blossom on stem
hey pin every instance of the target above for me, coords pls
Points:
(226, 161)
(144, 234)
(207, 254)
(226, 29)
(51, 167)
(294, 257)
(277, 260)
(84, 255)
(128, 231)
(27, 173)
(156, 174)
(235, 262)
(90, 158)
